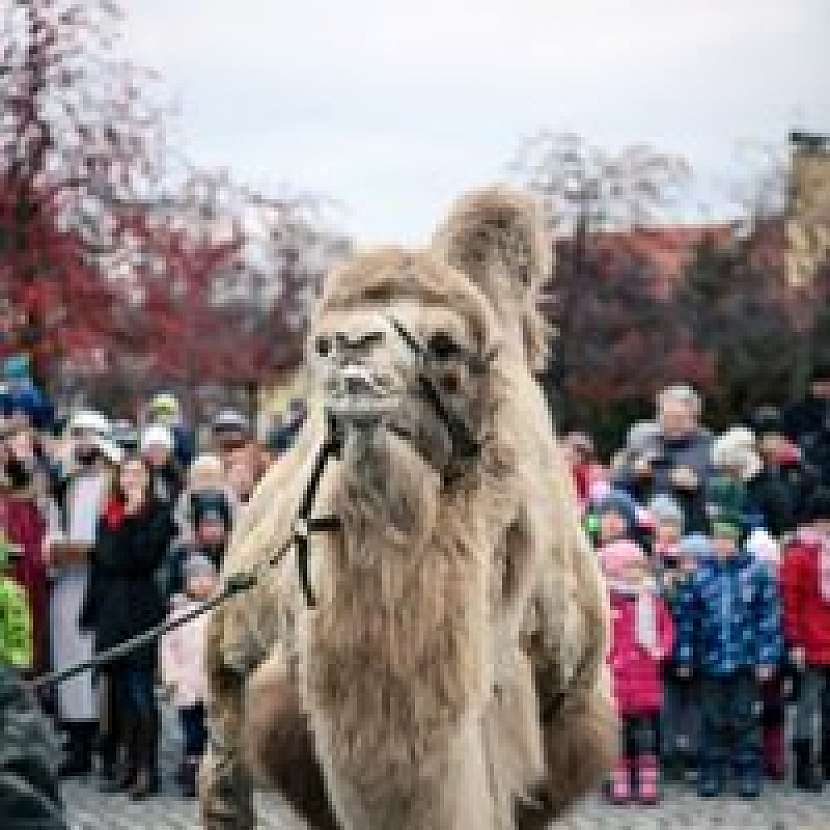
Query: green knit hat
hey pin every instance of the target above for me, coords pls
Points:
(727, 526)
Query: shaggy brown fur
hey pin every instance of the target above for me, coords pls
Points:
(452, 675)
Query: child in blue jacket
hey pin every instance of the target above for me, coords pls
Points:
(729, 634)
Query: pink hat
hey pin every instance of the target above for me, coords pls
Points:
(617, 557)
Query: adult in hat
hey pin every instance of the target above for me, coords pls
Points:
(79, 492)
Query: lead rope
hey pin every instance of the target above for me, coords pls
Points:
(234, 584)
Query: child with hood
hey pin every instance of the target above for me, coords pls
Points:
(183, 664)
(642, 637)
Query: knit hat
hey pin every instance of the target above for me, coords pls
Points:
(165, 403)
(209, 505)
(763, 547)
(735, 448)
(16, 367)
(728, 525)
(643, 437)
(766, 420)
(696, 546)
(227, 420)
(617, 557)
(157, 435)
(620, 503)
(818, 504)
(666, 510)
(196, 563)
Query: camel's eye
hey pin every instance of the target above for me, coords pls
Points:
(442, 347)
(323, 345)
(449, 383)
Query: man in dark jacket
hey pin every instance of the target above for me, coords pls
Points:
(679, 465)
(29, 793)
(808, 422)
(780, 489)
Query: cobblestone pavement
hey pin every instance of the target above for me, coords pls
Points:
(778, 809)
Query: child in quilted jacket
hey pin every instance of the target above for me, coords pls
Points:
(729, 636)
(642, 637)
(183, 665)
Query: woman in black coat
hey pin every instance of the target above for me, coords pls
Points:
(125, 599)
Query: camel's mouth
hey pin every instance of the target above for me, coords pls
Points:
(357, 396)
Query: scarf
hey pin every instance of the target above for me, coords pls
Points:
(645, 616)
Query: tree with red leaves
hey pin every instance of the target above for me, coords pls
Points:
(76, 138)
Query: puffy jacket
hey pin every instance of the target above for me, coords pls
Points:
(729, 617)
(636, 673)
(806, 615)
(183, 655)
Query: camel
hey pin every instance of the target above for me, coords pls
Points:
(445, 668)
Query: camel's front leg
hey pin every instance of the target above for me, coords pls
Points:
(225, 786)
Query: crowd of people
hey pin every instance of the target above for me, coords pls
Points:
(716, 551)
(107, 528)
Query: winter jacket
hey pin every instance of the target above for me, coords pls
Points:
(636, 673)
(183, 655)
(25, 526)
(692, 451)
(806, 616)
(808, 423)
(780, 491)
(15, 625)
(729, 617)
(124, 598)
(29, 790)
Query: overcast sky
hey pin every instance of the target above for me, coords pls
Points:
(393, 108)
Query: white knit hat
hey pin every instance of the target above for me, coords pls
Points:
(156, 435)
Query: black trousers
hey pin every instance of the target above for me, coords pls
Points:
(639, 734)
(730, 721)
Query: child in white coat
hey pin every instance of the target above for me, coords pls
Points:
(183, 664)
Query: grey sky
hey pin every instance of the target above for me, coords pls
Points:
(394, 107)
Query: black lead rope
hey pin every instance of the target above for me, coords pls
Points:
(464, 446)
(329, 449)
(234, 584)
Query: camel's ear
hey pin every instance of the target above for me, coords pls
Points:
(496, 236)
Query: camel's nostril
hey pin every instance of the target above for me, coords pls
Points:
(356, 385)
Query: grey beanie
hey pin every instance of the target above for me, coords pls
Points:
(696, 546)
(196, 563)
(666, 509)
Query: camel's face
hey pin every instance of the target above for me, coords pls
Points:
(369, 374)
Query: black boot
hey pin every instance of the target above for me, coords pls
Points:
(825, 747)
(190, 770)
(807, 777)
(146, 782)
(78, 760)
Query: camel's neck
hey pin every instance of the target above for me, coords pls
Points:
(399, 638)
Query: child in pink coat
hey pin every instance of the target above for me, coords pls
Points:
(642, 637)
(183, 664)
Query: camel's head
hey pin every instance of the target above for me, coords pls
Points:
(402, 347)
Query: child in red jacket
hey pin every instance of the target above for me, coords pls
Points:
(642, 637)
(805, 589)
